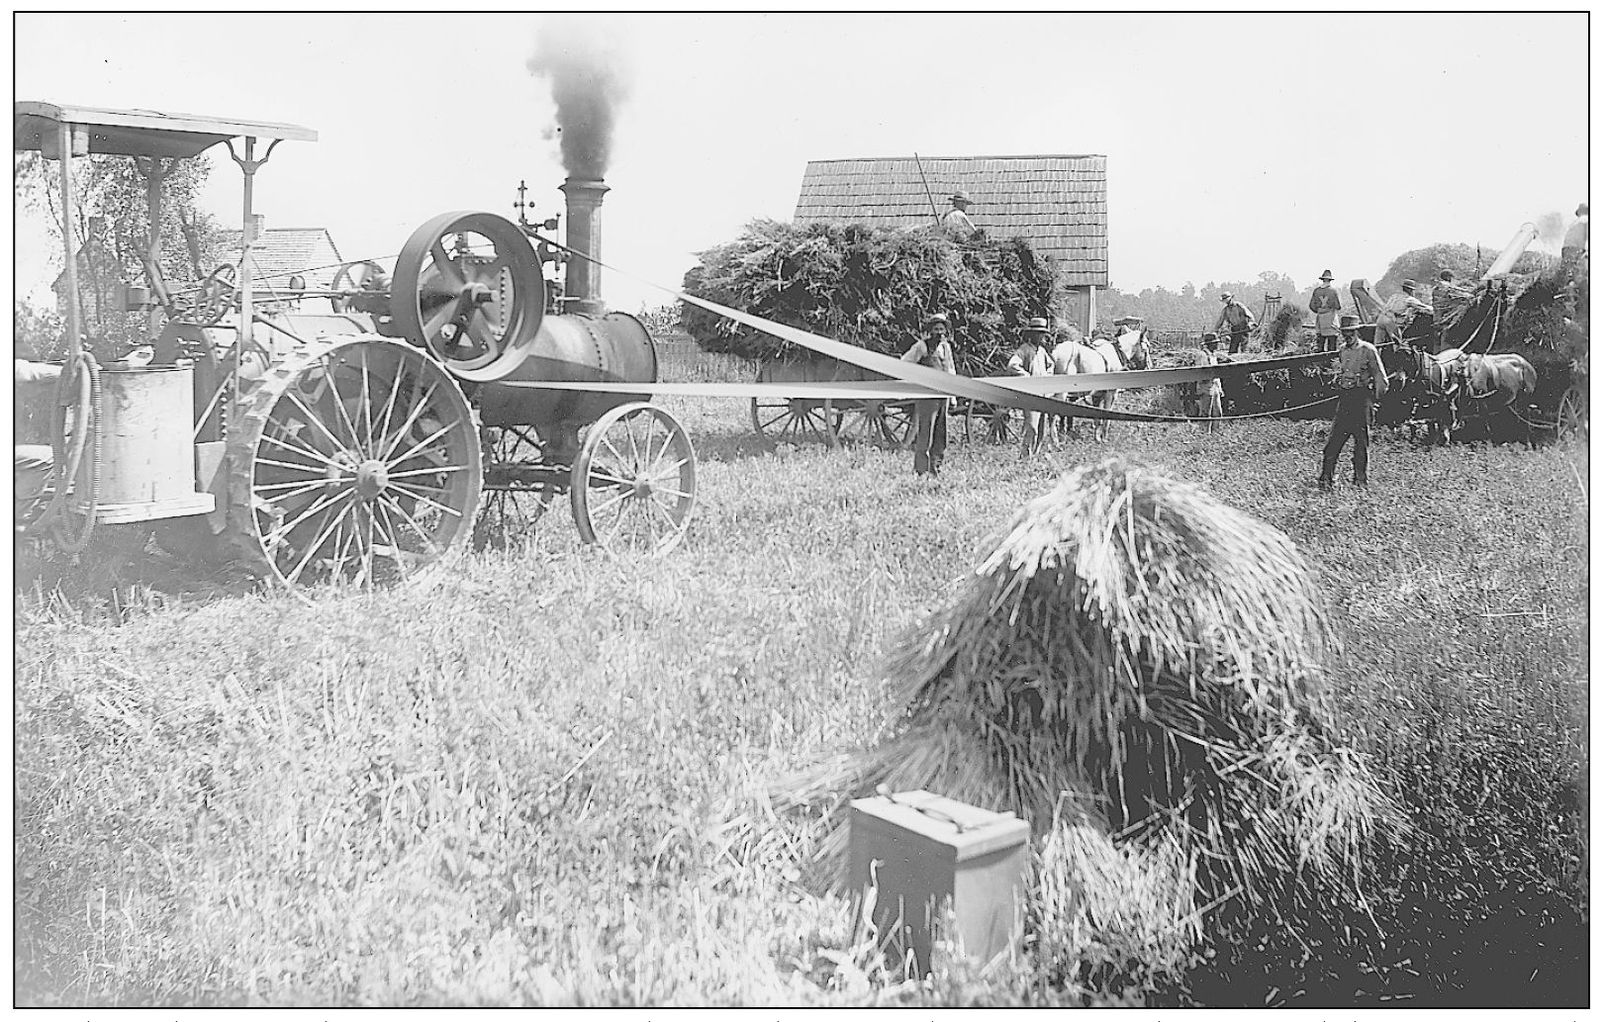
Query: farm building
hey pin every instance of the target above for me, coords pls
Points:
(282, 251)
(1059, 203)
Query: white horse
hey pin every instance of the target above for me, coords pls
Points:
(1128, 350)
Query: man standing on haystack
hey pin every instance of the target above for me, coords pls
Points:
(1238, 321)
(1326, 305)
(1574, 248)
(957, 223)
(1361, 381)
(1030, 358)
(935, 351)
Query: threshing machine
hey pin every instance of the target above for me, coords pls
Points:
(355, 444)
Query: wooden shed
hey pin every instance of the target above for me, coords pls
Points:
(1059, 203)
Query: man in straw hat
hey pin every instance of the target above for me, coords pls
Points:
(1361, 381)
(935, 351)
(1325, 304)
(1030, 358)
(1236, 320)
(957, 223)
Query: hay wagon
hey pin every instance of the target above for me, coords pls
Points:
(353, 445)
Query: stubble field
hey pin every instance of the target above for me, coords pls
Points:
(539, 776)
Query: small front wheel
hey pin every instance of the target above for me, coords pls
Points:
(635, 481)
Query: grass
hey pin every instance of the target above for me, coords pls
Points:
(514, 781)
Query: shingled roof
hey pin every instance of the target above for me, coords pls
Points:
(281, 251)
(1058, 202)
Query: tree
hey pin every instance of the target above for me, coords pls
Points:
(111, 228)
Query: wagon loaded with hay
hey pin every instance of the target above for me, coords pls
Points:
(1140, 671)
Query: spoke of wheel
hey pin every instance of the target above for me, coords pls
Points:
(356, 525)
(618, 458)
(673, 469)
(442, 470)
(677, 494)
(445, 267)
(479, 329)
(782, 412)
(310, 470)
(603, 505)
(392, 441)
(437, 321)
(388, 529)
(391, 504)
(282, 533)
(608, 477)
(339, 403)
(301, 488)
(312, 548)
(420, 445)
(420, 495)
(367, 550)
(390, 404)
(313, 418)
(297, 448)
(668, 513)
(367, 405)
(629, 429)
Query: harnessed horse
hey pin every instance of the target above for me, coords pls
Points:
(1128, 351)
(1500, 381)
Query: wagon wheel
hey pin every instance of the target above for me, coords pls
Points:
(357, 462)
(1572, 420)
(793, 420)
(997, 424)
(634, 482)
(356, 276)
(882, 422)
(515, 496)
(469, 287)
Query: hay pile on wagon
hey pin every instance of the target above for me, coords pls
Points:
(870, 286)
(1137, 669)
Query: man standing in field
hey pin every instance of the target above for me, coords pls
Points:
(1238, 321)
(1326, 305)
(1361, 381)
(1030, 358)
(1209, 391)
(1575, 245)
(935, 351)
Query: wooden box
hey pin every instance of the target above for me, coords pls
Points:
(917, 853)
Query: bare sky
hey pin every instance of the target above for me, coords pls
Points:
(1236, 143)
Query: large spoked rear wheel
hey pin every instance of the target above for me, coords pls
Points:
(357, 461)
(635, 481)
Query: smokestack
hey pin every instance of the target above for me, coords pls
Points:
(584, 280)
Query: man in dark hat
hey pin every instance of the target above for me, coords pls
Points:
(1325, 304)
(1401, 316)
(957, 223)
(1361, 381)
(1236, 320)
(934, 350)
(1030, 358)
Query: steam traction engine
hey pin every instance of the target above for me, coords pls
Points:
(354, 445)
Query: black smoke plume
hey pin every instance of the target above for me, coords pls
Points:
(590, 79)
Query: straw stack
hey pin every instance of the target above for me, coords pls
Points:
(1137, 659)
